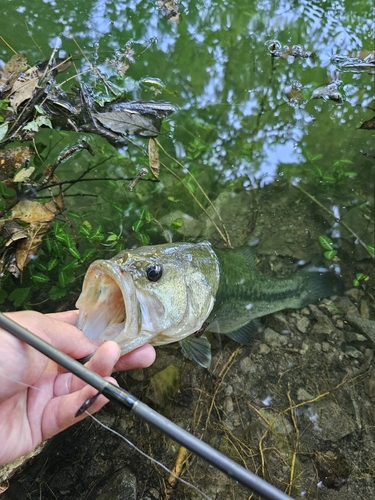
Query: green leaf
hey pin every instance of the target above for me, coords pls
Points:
(6, 192)
(88, 254)
(67, 239)
(65, 278)
(70, 265)
(326, 242)
(330, 254)
(147, 216)
(137, 225)
(371, 249)
(315, 157)
(112, 237)
(39, 277)
(57, 292)
(19, 295)
(4, 103)
(35, 125)
(73, 251)
(97, 235)
(356, 283)
(342, 162)
(176, 224)
(144, 238)
(3, 293)
(73, 215)
(85, 228)
(52, 263)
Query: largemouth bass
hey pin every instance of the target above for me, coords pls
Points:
(174, 292)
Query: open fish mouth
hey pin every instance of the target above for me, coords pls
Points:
(108, 305)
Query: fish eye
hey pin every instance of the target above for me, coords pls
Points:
(154, 272)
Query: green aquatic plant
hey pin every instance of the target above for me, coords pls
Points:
(328, 245)
(360, 278)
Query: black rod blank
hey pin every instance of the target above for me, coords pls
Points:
(120, 395)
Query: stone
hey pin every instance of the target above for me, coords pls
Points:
(303, 395)
(324, 326)
(352, 352)
(333, 421)
(302, 324)
(274, 339)
(164, 386)
(264, 349)
(122, 484)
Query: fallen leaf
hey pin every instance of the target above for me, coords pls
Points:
(23, 88)
(169, 9)
(12, 159)
(57, 203)
(11, 231)
(16, 65)
(27, 248)
(23, 174)
(32, 211)
(153, 158)
(368, 124)
(127, 122)
(3, 130)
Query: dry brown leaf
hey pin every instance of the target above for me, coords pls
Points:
(368, 124)
(11, 231)
(12, 159)
(28, 247)
(33, 211)
(169, 9)
(153, 158)
(16, 65)
(57, 203)
(25, 90)
(4, 486)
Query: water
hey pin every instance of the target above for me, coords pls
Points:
(246, 122)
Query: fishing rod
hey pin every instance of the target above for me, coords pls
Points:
(141, 410)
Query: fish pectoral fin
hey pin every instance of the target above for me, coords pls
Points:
(246, 333)
(197, 348)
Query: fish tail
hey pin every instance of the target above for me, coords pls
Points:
(315, 285)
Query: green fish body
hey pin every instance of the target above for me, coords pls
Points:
(174, 292)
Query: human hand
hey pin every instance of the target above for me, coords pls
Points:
(38, 398)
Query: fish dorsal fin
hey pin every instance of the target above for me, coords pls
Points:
(248, 254)
(246, 333)
(197, 348)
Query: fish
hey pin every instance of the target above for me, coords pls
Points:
(172, 292)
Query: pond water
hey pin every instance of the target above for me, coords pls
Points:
(265, 115)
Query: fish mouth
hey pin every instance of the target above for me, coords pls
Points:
(108, 305)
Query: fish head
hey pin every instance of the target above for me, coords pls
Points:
(156, 294)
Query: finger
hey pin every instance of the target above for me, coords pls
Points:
(64, 336)
(60, 412)
(142, 357)
(65, 316)
(102, 362)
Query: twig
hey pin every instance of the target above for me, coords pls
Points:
(294, 455)
(181, 458)
(224, 236)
